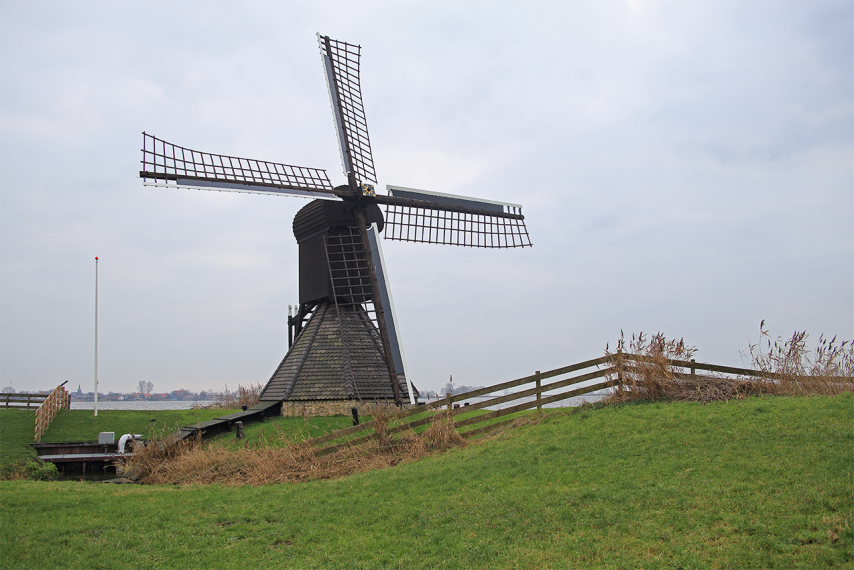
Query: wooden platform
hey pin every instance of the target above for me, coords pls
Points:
(223, 424)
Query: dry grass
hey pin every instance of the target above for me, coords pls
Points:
(189, 462)
(793, 368)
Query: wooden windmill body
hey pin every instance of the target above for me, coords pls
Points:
(346, 345)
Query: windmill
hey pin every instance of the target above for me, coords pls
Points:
(345, 342)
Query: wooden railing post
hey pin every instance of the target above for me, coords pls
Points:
(49, 408)
(539, 392)
(693, 367)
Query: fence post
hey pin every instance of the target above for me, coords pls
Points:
(620, 368)
(693, 368)
(539, 393)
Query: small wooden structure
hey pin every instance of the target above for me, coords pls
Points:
(88, 458)
(57, 400)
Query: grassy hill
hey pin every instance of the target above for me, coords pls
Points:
(752, 483)
(16, 427)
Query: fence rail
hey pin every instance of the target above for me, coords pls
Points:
(607, 367)
(22, 400)
(58, 399)
(414, 417)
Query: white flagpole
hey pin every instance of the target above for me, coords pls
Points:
(96, 335)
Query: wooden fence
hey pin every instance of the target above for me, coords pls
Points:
(606, 369)
(57, 400)
(414, 417)
(22, 400)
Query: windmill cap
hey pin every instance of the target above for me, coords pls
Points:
(320, 216)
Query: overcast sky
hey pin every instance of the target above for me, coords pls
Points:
(685, 167)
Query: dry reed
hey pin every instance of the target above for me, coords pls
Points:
(827, 368)
(164, 462)
(790, 367)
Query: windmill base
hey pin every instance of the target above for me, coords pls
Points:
(334, 407)
(336, 362)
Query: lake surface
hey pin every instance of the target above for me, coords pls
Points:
(142, 405)
(186, 405)
(569, 402)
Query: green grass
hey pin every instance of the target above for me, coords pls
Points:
(280, 430)
(757, 483)
(82, 425)
(16, 427)
(16, 431)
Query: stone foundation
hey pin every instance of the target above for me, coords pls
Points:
(301, 408)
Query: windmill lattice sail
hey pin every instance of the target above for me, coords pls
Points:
(166, 163)
(444, 227)
(432, 217)
(341, 64)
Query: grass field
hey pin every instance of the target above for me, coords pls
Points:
(280, 430)
(16, 428)
(763, 482)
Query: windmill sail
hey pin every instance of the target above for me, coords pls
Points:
(431, 217)
(347, 344)
(341, 64)
(167, 164)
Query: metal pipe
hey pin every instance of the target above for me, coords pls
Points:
(124, 439)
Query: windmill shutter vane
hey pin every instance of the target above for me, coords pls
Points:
(318, 366)
(341, 64)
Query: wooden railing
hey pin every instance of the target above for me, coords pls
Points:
(57, 400)
(415, 417)
(608, 368)
(22, 400)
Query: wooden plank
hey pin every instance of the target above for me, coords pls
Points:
(35, 395)
(706, 366)
(730, 369)
(533, 403)
(533, 391)
(532, 378)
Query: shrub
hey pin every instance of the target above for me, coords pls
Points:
(39, 470)
(244, 396)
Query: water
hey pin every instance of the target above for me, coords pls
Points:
(142, 405)
(186, 405)
(569, 402)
